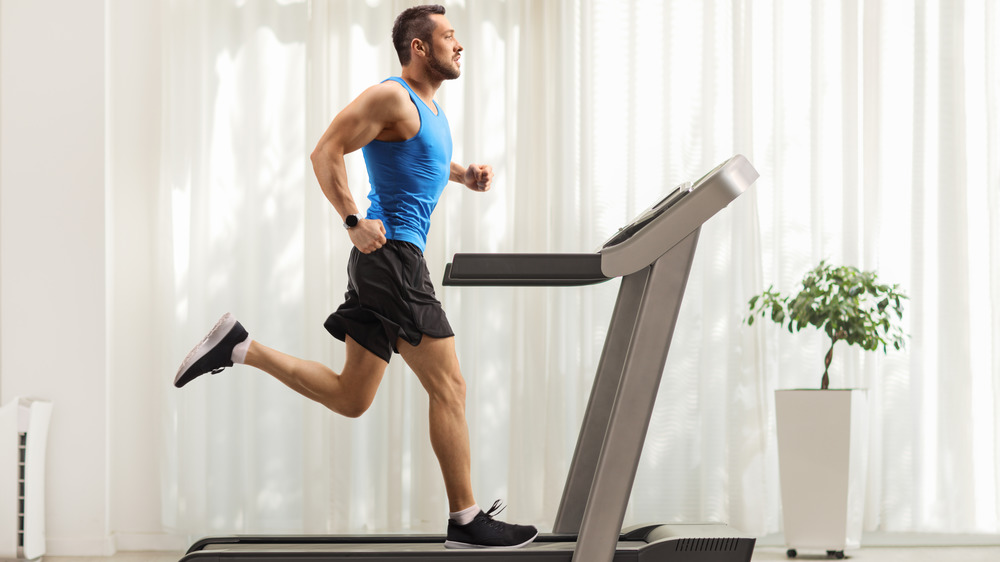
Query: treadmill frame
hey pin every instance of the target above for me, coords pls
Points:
(599, 483)
(621, 403)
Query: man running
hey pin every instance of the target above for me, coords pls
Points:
(390, 304)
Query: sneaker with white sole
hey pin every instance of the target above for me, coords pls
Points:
(214, 353)
(486, 532)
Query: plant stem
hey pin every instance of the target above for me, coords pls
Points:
(826, 370)
(838, 335)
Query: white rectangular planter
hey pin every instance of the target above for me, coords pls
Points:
(823, 461)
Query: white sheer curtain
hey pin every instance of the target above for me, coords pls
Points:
(874, 125)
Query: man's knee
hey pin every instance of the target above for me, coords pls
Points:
(351, 402)
(447, 387)
(356, 392)
(458, 388)
(353, 409)
(436, 365)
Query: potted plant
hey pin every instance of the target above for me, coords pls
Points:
(822, 434)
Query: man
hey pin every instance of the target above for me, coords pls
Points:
(390, 303)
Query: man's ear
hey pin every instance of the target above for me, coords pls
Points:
(418, 46)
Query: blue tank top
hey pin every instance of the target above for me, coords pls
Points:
(407, 177)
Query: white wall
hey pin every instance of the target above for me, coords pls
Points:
(52, 261)
(79, 134)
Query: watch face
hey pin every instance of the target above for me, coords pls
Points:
(351, 221)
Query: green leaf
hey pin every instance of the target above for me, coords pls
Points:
(843, 302)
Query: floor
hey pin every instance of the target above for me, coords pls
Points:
(870, 554)
(894, 554)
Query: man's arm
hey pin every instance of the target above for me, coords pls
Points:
(477, 177)
(375, 110)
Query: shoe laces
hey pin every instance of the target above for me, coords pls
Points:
(495, 510)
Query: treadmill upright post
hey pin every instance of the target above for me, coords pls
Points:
(598, 412)
(662, 287)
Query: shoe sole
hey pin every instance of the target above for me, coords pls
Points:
(456, 544)
(214, 337)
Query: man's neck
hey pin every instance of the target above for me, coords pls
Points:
(421, 84)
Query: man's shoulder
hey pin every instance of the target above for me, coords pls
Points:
(389, 91)
(387, 97)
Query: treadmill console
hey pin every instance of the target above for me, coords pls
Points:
(626, 232)
(675, 217)
(660, 207)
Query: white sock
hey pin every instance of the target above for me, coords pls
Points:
(240, 351)
(465, 516)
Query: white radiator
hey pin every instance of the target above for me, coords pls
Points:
(24, 430)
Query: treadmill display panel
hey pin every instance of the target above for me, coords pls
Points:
(626, 232)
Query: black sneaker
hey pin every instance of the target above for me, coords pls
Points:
(214, 353)
(486, 532)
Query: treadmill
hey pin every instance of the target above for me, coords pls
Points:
(653, 256)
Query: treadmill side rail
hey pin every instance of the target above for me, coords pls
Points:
(519, 270)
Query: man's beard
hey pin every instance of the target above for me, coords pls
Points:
(446, 72)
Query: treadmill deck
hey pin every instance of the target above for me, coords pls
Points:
(437, 547)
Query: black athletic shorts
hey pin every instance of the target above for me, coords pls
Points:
(389, 296)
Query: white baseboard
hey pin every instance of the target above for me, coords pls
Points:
(98, 546)
(120, 542)
(883, 538)
(887, 539)
(150, 542)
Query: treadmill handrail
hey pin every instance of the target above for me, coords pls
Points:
(524, 270)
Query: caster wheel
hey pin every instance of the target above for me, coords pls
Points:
(838, 554)
(792, 553)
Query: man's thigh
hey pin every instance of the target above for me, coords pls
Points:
(434, 361)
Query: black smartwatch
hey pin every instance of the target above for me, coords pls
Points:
(351, 221)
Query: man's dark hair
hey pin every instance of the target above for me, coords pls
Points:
(413, 23)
